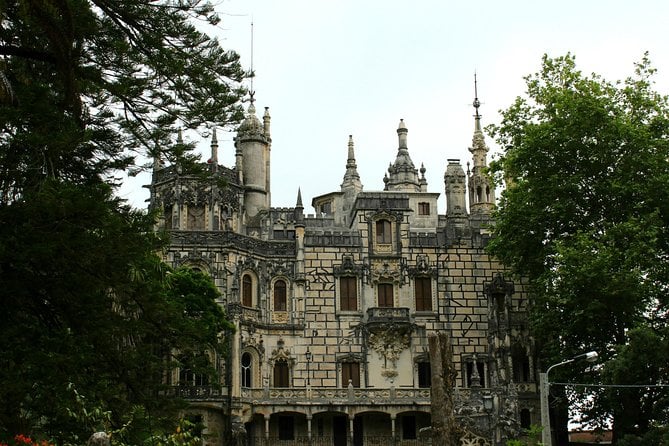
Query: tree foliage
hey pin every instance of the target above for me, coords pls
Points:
(585, 217)
(86, 303)
(85, 84)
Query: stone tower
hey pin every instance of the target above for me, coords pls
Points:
(481, 186)
(253, 144)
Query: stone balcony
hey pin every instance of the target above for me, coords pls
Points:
(388, 315)
(336, 396)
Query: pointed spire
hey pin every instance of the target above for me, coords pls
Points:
(214, 148)
(476, 104)
(180, 136)
(351, 177)
(299, 204)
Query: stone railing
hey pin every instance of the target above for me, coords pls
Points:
(330, 395)
(198, 393)
(388, 314)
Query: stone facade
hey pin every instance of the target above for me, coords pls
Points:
(333, 311)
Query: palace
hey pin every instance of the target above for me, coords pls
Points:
(333, 311)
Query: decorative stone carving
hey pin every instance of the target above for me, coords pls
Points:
(348, 267)
(422, 268)
(386, 269)
(389, 342)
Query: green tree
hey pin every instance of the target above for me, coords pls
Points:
(85, 86)
(585, 216)
(87, 303)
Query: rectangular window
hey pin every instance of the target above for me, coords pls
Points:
(247, 289)
(386, 295)
(423, 208)
(383, 234)
(286, 428)
(423, 293)
(424, 375)
(348, 288)
(350, 371)
(281, 374)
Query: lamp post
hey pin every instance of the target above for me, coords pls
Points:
(308, 357)
(544, 388)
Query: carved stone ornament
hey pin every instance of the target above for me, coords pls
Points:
(422, 268)
(281, 354)
(469, 439)
(498, 286)
(389, 342)
(386, 269)
(348, 267)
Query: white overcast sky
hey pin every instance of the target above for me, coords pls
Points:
(327, 69)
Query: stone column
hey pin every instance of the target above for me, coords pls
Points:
(267, 416)
(393, 418)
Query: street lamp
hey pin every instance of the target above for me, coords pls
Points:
(544, 388)
(308, 356)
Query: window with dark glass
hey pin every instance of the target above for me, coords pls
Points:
(521, 364)
(383, 234)
(280, 295)
(281, 374)
(247, 291)
(350, 371)
(408, 427)
(189, 378)
(423, 293)
(386, 295)
(348, 289)
(525, 419)
(424, 375)
(286, 427)
(423, 208)
(246, 370)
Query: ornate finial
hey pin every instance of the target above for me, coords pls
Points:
(476, 104)
(299, 199)
(180, 136)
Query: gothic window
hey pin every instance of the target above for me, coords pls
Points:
(479, 193)
(247, 371)
(423, 293)
(408, 427)
(247, 290)
(424, 374)
(280, 295)
(286, 427)
(480, 369)
(281, 374)
(348, 290)
(383, 232)
(386, 295)
(350, 371)
(423, 208)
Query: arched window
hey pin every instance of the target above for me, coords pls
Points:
(281, 378)
(280, 295)
(423, 293)
(247, 381)
(479, 194)
(383, 232)
(247, 291)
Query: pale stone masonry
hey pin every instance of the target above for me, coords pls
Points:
(333, 311)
